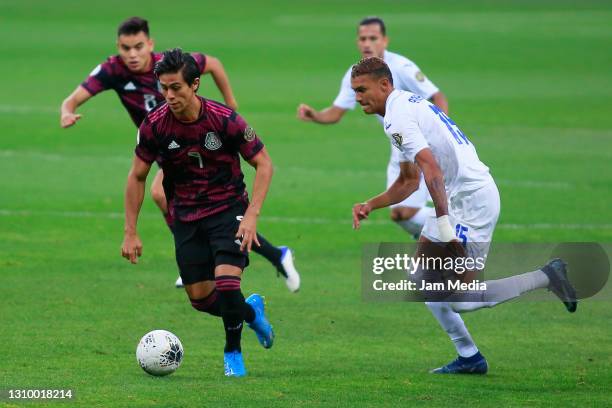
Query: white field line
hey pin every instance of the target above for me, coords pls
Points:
(285, 220)
(358, 173)
(25, 110)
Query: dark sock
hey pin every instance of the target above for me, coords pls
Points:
(233, 310)
(210, 304)
(268, 251)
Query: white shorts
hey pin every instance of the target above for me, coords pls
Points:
(473, 215)
(419, 198)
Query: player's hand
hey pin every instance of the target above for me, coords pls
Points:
(305, 113)
(69, 119)
(131, 248)
(360, 212)
(247, 232)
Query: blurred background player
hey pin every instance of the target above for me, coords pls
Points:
(466, 203)
(215, 224)
(130, 74)
(372, 41)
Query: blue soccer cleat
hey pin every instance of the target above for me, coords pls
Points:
(476, 364)
(233, 364)
(260, 324)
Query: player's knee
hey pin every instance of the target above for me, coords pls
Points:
(438, 306)
(395, 215)
(208, 304)
(399, 214)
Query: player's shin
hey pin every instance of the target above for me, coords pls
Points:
(268, 251)
(501, 290)
(234, 310)
(454, 326)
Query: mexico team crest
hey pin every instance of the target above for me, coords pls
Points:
(249, 134)
(212, 141)
(397, 140)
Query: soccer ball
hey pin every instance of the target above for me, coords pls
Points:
(159, 352)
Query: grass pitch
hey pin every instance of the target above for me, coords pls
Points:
(528, 81)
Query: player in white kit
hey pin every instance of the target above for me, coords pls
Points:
(465, 197)
(372, 41)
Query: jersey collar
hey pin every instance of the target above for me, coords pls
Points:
(392, 96)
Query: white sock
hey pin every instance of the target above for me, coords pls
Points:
(454, 326)
(501, 290)
(415, 224)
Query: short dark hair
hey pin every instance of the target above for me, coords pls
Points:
(372, 66)
(374, 20)
(132, 26)
(176, 60)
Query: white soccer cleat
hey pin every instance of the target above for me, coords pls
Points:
(179, 283)
(291, 275)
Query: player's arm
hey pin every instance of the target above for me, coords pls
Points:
(131, 248)
(439, 99)
(406, 183)
(435, 184)
(263, 176)
(68, 115)
(215, 68)
(329, 115)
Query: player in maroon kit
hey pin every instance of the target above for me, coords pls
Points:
(197, 143)
(130, 74)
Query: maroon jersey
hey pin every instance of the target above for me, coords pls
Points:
(202, 174)
(139, 92)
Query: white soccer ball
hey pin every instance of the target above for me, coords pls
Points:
(159, 352)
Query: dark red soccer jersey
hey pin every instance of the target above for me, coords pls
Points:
(202, 174)
(139, 92)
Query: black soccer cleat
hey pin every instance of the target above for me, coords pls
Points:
(556, 270)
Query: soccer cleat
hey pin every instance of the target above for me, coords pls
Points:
(556, 270)
(179, 283)
(261, 326)
(476, 364)
(233, 364)
(287, 269)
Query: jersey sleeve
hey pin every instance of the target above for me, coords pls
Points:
(243, 137)
(346, 96)
(200, 60)
(408, 134)
(100, 79)
(146, 146)
(415, 81)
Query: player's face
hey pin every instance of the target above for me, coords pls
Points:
(371, 93)
(178, 94)
(370, 41)
(135, 51)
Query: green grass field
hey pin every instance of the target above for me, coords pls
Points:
(528, 81)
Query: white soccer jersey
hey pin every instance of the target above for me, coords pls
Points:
(413, 124)
(406, 76)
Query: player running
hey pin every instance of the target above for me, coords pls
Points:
(372, 41)
(465, 197)
(196, 141)
(130, 74)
